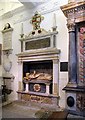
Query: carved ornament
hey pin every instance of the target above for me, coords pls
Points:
(37, 87)
(75, 9)
(36, 21)
(80, 101)
(71, 25)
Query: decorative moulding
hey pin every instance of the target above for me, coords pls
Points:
(39, 52)
(7, 30)
(8, 76)
(43, 34)
(45, 54)
(73, 7)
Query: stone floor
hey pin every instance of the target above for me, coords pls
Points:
(23, 109)
(19, 109)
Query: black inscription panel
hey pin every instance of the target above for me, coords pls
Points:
(37, 44)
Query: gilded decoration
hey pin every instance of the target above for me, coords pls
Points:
(37, 76)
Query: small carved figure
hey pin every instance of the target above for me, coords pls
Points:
(7, 26)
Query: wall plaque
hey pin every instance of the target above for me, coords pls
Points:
(7, 38)
(36, 44)
(63, 66)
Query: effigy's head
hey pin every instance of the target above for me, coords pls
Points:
(27, 74)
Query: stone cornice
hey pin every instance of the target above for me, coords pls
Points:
(72, 5)
(48, 34)
(42, 54)
(39, 52)
(75, 9)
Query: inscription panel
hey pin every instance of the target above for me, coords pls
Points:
(7, 39)
(37, 44)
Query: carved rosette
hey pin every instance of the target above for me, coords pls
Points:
(80, 101)
(37, 87)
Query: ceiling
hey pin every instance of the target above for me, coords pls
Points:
(32, 3)
(8, 5)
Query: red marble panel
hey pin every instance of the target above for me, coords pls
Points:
(81, 46)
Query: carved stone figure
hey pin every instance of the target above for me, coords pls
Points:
(38, 76)
(30, 76)
(7, 26)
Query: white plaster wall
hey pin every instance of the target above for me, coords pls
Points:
(1, 54)
(62, 44)
(16, 18)
(8, 5)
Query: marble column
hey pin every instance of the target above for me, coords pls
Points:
(47, 88)
(55, 77)
(72, 66)
(20, 76)
(26, 89)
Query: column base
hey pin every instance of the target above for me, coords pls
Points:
(75, 99)
(55, 94)
(72, 84)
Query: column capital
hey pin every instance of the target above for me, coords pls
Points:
(71, 25)
(47, 83)
(56, 61)
(19, 62)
